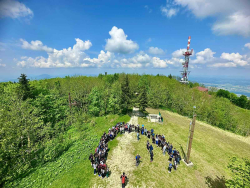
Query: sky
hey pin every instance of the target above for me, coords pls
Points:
(90, 37)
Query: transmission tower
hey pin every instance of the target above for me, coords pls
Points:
(185, 71)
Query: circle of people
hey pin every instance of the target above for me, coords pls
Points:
(98, 159)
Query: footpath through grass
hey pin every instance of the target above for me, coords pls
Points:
(72, 169)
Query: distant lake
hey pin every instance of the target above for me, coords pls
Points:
(238, 86)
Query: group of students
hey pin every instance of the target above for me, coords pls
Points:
(160, 141)
(98, 159)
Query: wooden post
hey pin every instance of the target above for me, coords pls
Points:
(191, 139)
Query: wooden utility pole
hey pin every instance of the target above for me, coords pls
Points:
(191, 138)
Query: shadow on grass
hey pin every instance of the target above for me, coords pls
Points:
(183, 152)
(218, 182)
(126, 182)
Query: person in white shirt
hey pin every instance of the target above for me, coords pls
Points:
(94, 166)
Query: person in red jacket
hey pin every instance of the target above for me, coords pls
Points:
(123, 178)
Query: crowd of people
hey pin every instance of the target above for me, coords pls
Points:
(98, 159)
(160, 141)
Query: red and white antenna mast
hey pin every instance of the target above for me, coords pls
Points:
(185, 71)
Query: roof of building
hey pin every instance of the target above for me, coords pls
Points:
(203, 89)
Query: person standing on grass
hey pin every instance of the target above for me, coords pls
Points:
(170, 157)
(91, 158)
(174, 164)
(148, 144)
(170, 167)
(148, 134)
(107, 172)
(170, 150)
(123, 178)
(151, 156)
(137, 158)
(153, 139)
(164, 149)
(138, 134)
(156, 140)
(145, 131)
(103, 171)
(151, 148)
(94, 166)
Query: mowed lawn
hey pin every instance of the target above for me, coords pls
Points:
(211, 150)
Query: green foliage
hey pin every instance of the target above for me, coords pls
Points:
(35, 115)
(125, 96)
(95, 101)
(193, 84)
(24, 87)
(143, 89)
(242, 101)
(240, 169)
(223, 93)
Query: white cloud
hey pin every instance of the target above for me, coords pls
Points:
(233, 16)
(14, 9)
(203, 57)
(118, 42)
(24, 57)
(217, 65)
(236, 58)
(137, 61)
(71, 57)
(159, 63)
(103, 58)
(141, 60)
(247, 45)
(156, 51)
(176, 61)
(236, 23)
(125, 63)
(169, 12)
(179, 53)
(35, 45)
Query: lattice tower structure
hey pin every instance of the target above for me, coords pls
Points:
(185, 72)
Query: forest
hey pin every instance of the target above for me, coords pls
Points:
(34, 115)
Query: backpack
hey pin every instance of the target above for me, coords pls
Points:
(123, 179)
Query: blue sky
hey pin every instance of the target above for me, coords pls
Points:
(91, 37)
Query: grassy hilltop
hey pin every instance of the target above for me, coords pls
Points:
(44, 142)
(211, 151)
(210, 154)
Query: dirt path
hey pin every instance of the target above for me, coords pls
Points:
(122, 159)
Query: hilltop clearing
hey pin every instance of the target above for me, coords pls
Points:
(210, 154)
